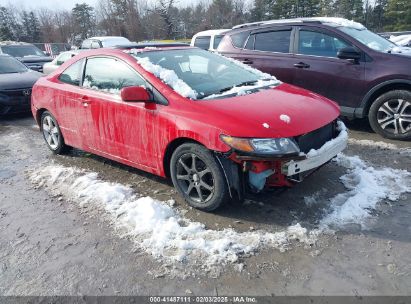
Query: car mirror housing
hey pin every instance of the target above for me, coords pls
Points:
(135, 94)
(348, 53)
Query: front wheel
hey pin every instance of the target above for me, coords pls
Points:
(390, 115)
(198, 177)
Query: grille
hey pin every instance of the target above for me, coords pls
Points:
(17, 92)
(316, 138)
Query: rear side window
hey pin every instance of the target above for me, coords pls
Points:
(86, 44)
(72, 74)
(239, 39)
(95, 45)
(109, 75)
(275, 41)
(202, 42)
(217, 40)
(319, 44)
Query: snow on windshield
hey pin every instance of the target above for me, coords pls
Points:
(201, 75)
(169, 77)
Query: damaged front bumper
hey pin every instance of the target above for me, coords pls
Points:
(265, 172)
(317, 158)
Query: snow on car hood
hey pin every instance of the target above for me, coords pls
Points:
(262, 114)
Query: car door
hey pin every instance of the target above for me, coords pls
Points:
(318, 69)
(68, 104)
(269, 50)
(118, 129)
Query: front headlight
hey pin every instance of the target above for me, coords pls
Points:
(278, 146)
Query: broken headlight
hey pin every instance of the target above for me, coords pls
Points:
(278, 146)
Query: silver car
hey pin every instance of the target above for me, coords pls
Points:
(58, 61)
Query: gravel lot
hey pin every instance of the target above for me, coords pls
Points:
(51, 244)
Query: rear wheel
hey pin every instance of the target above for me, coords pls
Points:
(198, 177)
(390, 115)
(52, 133)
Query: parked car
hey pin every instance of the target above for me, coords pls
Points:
(53, 49)
(16, 82)
(206, 121)
(208, 40)
(27, 53)
(366, 74)
(402, 40)
(58, 61)
(104, 41)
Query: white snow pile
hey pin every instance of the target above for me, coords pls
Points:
(168, 76)
(366, 187)
(342, 136)
(158, 228)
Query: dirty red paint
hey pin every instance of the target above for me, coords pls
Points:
(138, 133)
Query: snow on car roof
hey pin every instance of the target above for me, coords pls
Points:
(333, 21)
(212, 32)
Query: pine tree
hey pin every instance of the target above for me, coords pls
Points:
(398, 15)
(84, 19)
(35, 27)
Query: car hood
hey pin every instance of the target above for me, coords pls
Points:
(18, 80)
(283, 111)
(401, 50)
(34, 59)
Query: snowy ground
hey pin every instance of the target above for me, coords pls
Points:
(81, 224)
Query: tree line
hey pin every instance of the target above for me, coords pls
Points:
(165, 19)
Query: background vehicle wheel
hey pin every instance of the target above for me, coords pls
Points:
(390, 115)
(198, 177)
(52, 133)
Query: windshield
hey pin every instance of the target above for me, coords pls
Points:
(370, 39)
(22, 50)
(199, 74)
(11, 65)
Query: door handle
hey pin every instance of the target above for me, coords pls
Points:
(302, 65)
(85, 101)
(247, 61)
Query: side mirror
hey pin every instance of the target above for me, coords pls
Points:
(59, 62)
(348, 53)
(46, 53)
(134, 93)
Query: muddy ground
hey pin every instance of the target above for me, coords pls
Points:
(50, 246)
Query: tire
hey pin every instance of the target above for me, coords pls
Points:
(52, 133)
(390, 115)
(203, 185)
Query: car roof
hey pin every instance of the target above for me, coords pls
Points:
(13, 43)
(212, 32)
(150, 45)
(104, 38)
(331, 21)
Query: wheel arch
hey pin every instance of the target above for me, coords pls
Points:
(171, 147)
(382, 88)
(40, 112)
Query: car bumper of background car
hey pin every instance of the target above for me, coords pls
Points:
(14, 104)
(266, 172)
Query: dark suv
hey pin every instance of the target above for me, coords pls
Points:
(27, 53)
(340, 59)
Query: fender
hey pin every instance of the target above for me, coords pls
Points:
(359, 112)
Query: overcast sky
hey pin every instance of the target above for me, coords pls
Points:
(53, 4)
(64, 4)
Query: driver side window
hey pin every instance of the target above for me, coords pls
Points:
(109, 75)
(319, 44)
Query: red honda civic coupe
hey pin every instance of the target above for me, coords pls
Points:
(217, 127)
